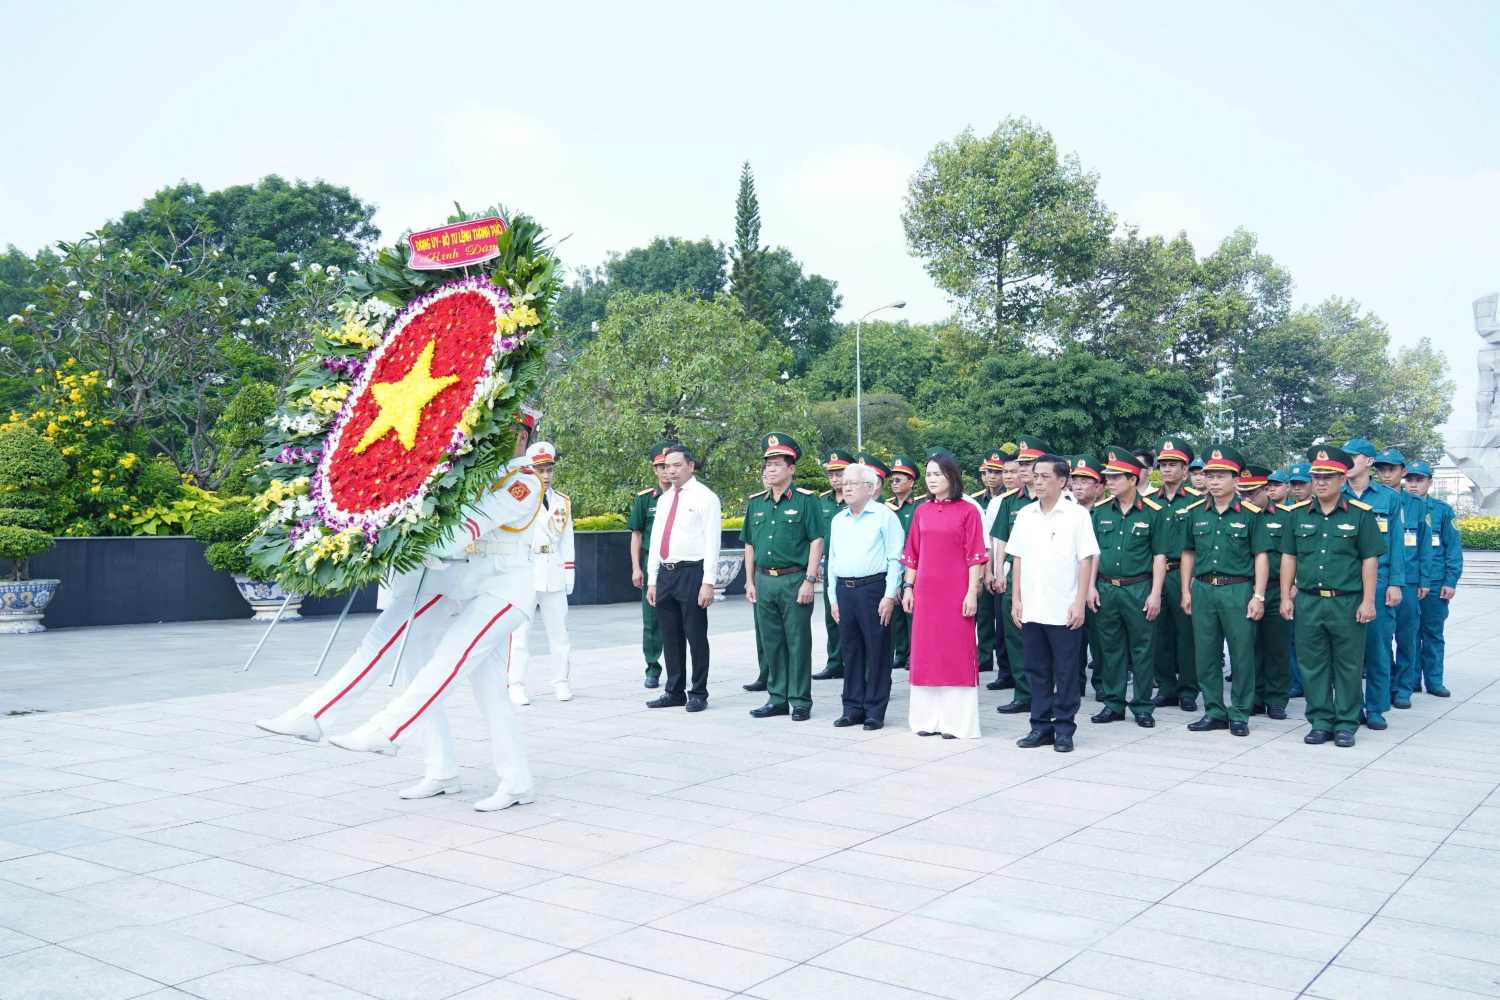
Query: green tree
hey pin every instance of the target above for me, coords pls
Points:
(670, 265)
(896, 358)
(647, 376)
(889, 425)
(798, 309)
(1003, 222)
(258, 229)
(1131, 308)
(1419, 401)
(745, 258)
(1238, 293)
(19, 277)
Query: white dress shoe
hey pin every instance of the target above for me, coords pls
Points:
(518, 695)
(428, 787)
(503, 799)
(365, 739)
(564, 693)
(293, 723)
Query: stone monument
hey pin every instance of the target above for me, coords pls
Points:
(1477, 452)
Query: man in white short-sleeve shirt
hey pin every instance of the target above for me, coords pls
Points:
(1056, 555)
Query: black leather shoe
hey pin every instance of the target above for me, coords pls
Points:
(1063, 744)
(874, 724)
(769, 709)
(1146, 721)
(827, 675)
(1257, 709)
(1035, 738)
(651, 682)
(923, 732)
(1163, 700)
(666, 701)
(1188, 703)
(1207, 724)
(844, 720)
(1014, 707)
(1001, 684)
(949, 736)
(1343, 738)
(697, 703)
(1239, 729)
(800, 714)
(1275, 712)
(1107, 715)
(754, 686)
(1317, 737)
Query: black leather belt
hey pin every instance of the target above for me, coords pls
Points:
(780, 570)
(1330, 592)
(1125, 581)
(861, 581)
(1172, 565)
(1217, 580)
(682, 563)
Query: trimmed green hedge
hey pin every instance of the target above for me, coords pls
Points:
(1480, 533)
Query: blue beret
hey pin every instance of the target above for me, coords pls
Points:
(1360, 446)
(1419, 468)
(1390, 457)
(1299, 473)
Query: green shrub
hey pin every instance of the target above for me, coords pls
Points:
(1479, 532)
(228, 557)
(225, 533)
(29, 469)
(600, 522)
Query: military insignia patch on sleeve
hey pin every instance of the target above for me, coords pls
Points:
(519, 490)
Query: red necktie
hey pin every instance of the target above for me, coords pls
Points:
(666, 535)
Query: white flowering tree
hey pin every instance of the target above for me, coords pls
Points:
(173, 337)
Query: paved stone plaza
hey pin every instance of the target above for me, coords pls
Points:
(153, 843)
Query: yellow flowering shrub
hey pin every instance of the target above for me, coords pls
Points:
(1479, 532)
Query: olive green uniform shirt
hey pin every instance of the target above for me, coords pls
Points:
(1226, 543)
(782, 531)
(1130, 541)
(1331, 548)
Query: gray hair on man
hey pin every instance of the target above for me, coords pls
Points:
(863, 473)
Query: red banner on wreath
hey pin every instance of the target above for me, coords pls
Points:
(456, 245)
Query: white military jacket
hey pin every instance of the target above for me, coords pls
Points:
(494, 542)
(552, 547)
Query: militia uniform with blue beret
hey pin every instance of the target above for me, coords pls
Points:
(1224, 566)
(1440, 566)
(1390, 467)
(783, 535)
(1385, 504)
(1176, 672)
(1330, 549)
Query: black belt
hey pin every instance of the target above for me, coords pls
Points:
(1172, 565)
(861, 581)
(1217, 580)
(1329, 592)
(780, 570)
(679, 564)
(1125, 581)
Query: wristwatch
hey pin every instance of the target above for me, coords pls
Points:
(1258, 597)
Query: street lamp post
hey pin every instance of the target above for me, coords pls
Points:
(859, 413)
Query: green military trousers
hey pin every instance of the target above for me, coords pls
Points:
(1015, 651)
(835, 664)
(1219, 617)
(1273, 660)
(984, 629)
(900, 638)
(1331, 659)
(1128, 643)
(1176, 675)
(650, 637)
(784, 628)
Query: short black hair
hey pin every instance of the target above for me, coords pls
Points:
(1060, 467)
(684, 451)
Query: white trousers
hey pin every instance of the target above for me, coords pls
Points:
(552, 606)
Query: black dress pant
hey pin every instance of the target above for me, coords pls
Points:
(865, 645)
(684, 626)
(1052, 670)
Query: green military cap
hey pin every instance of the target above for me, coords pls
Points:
(1326, 458)
(838, 458)
(904, 464)
(1174, 449)
(1029, 449)
(881, 469)
(1252, 478)
(995, 458)
(1120, 460)
(1223, 457)
(1085, 465)
(658, 452)
(777, 444)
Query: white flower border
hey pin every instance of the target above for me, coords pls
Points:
(328, 512)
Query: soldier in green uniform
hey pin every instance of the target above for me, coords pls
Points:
(1133, 534)
(1224, 570)
(1028, 450)
(1299, 488)
(642, 514)
(903, 502)
(1331, 547)
(991, 473)
(1086, 487)
(1176, 675)
(783, 536)
(829, 504)
(1273, 633)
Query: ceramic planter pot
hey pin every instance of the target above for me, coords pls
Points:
(22, 604)
(266, 598)
(730, 563)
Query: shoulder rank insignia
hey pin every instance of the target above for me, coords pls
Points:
(1152, 504)
(919, 499)
(1007, 493)
(762, 493)
(648, 489)
(1194, 505)
(1359, 504)
(806, 492)
(1289, 507)
(1192, 492)
(1250, 506)
(826, 493)
(1105, 502)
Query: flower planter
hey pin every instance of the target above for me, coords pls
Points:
(731, 561)
(22, 604)
(266, 599)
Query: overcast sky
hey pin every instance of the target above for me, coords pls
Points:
(1360, 141)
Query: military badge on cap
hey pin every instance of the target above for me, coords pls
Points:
(1121, 461)
(1029, 449)
(1223, 458)
(905, 465)
(1173, 449)
(1252, 478)
(865, 458)
(776, 444)
(1326, 458)
(837, 459)
(1085, 465)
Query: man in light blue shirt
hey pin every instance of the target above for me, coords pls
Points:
(864, 577)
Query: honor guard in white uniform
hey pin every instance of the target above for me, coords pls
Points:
(553, 572)
(480, 588)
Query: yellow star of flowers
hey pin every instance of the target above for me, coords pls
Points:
(401, 403)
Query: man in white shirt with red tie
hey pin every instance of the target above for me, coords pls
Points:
(680, 572)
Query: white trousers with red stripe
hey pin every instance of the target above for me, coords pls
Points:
(480, 631)
(552, 606)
